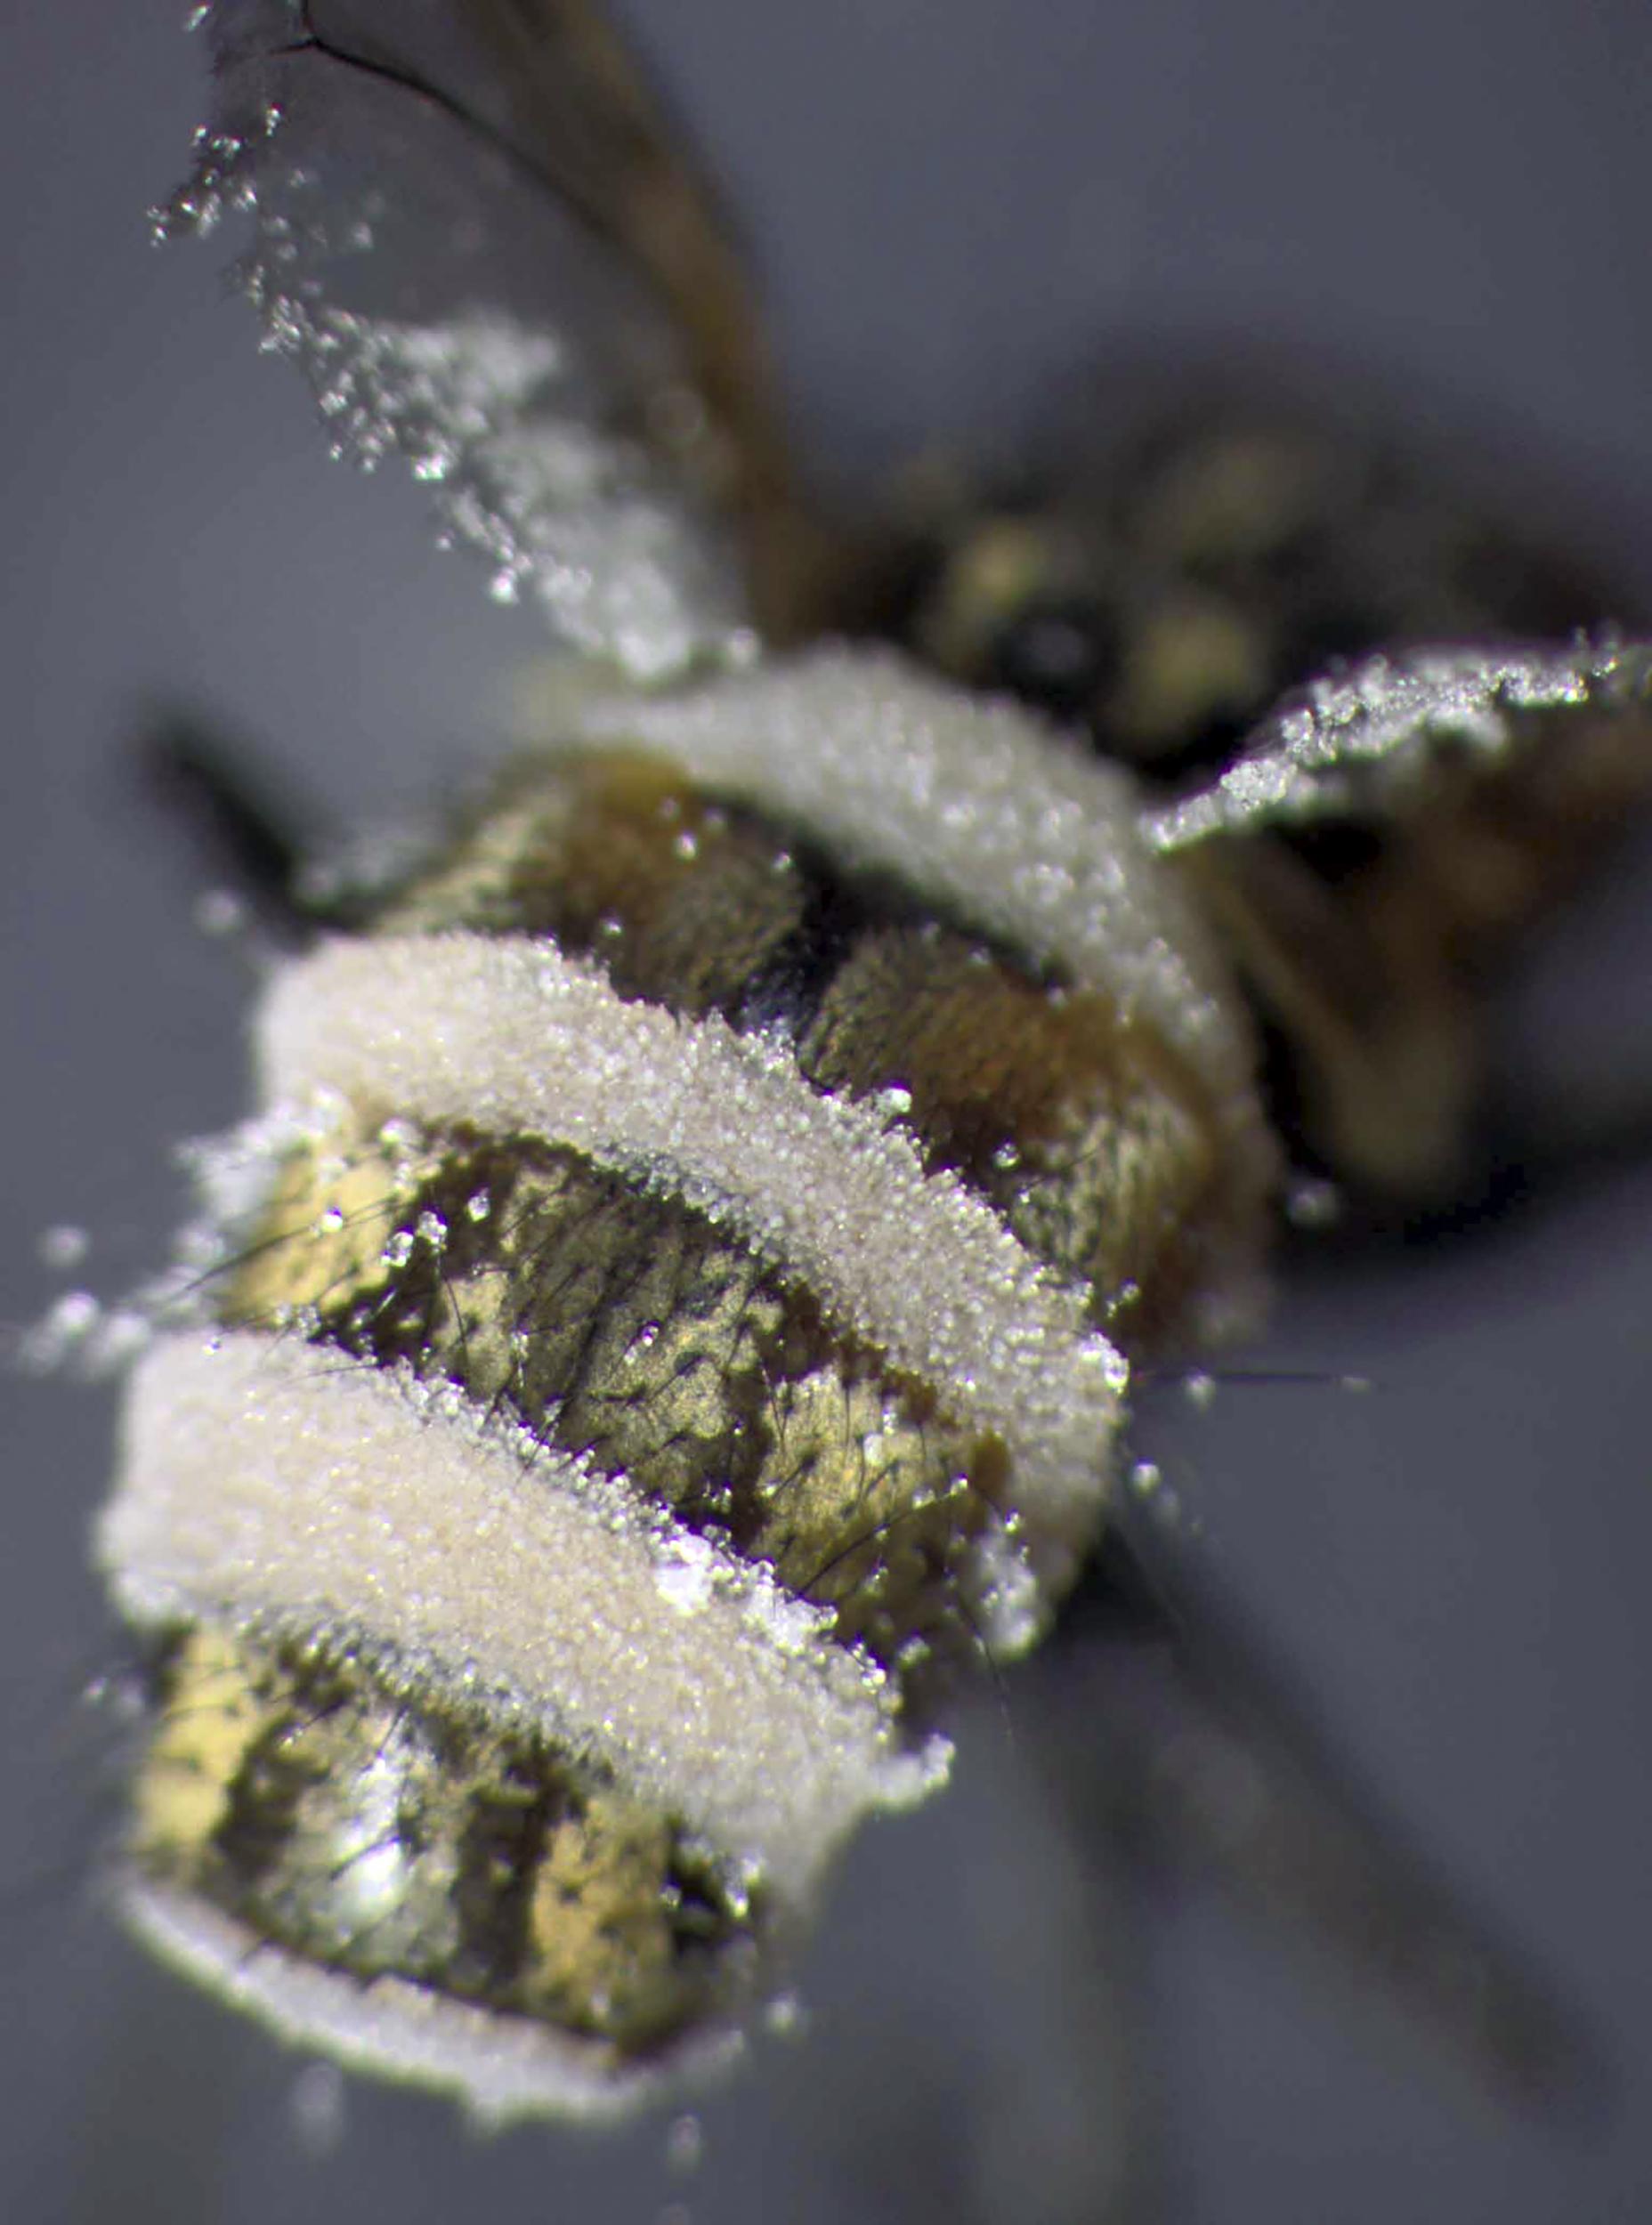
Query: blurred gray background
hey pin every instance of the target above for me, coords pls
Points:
(953, 207)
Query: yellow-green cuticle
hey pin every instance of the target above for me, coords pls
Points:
(631, 1329)
(1098, 1145)
(354, 1825)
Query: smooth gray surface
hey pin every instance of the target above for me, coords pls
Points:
(955, 206)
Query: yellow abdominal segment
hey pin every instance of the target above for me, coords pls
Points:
(629, 1328)
(371, 1831)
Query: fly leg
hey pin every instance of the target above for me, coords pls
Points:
(251, 841)
(1194, 1752)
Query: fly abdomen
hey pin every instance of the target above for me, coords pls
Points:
(681, 1316)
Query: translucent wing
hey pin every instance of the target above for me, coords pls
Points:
(1377, 849)
(474, 233)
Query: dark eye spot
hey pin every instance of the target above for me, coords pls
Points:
(1059, 657)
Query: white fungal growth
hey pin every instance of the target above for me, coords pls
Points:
(972, 801)
(509, 1036)
(264, 1478)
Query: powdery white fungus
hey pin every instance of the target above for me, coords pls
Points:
(685, 2144)
(501, 2067)
(220, 912)
(510, 1036)
(996, 817)
(1312, 1204)
(510, 357)
(234, 1174)
(1358, 741)
(1010, 1610)
(496, 419)
(785, 2017)
(81, 1333)
(687, 1574)
(62, 1247)
(790, 1625)
(64, 1333)
(263, 1477)
(319, 2106)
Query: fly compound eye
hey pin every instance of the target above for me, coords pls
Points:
(1061, 655)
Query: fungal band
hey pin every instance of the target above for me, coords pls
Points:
(509, 1037)
(263, 1479)
(981, 806)
(502, 2067)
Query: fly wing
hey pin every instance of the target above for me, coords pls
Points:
(1373, 856)
(475, 232)
(1367, 742)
